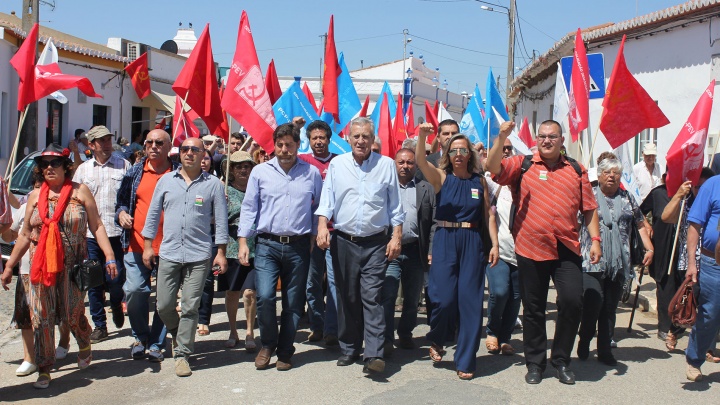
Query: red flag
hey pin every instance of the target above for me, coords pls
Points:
(224, 128)
(431, 117)
(183, 124)
(525, 134)
(685, 156)
(385, 129)
(410, 124)
(197, 83)
(24, 64)
(363, 111)
(272, 84)
(627, 108)
(161, 124)
(247, 99)
(140, 76)
(436, 111)
(310, 97)
(579, 89)
(399, 132)
(331, 74)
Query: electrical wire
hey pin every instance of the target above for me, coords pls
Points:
(538, 29)
(459, 47)
(457, 60)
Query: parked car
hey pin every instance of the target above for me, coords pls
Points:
(20, 185)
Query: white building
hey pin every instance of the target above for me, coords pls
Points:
(673, 53)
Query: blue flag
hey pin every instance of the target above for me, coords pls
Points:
(472, 122)
(493, 105)
(348, 100)
(375, 116)
(294, 103)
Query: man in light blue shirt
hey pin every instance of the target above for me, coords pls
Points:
(362, 197)
(279, 201)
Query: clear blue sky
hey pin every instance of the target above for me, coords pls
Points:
(369, 30)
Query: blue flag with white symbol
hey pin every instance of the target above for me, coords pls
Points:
(472, 122)
(493, 105)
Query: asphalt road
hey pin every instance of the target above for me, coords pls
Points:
(646, 374)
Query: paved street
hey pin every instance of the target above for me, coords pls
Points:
(646, 374)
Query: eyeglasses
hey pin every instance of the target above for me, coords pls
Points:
(508, 148)
(551, 138)
(55, 163)
(157, 142)
(462, 151)
(186, 149)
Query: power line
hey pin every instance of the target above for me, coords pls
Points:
(315, 45)
(459, 47)
(522, 38)
(538, 29)
(456, 60)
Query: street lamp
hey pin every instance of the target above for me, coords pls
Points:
(406, 81)
(511, 40)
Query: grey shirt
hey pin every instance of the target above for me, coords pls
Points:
(189, 210)
(408, 197)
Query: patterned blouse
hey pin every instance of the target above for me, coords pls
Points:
(235, 199)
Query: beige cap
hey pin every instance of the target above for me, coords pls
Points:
(97, 133)
(241, 156)
(650, 149)
(210, 138)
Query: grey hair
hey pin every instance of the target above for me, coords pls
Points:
(362, 121)
(609, 164)
(409, 143)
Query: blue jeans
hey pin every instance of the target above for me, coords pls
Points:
(503, 300)
(96, 296)
(289, 263)
(322, 315)
(137, 293)
(408, 269)
(702, 337)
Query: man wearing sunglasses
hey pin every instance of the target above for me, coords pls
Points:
(192, 198)
(131, 208)
(102, 175)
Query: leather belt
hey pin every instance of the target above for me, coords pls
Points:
(373, 237)
(448, 224)
(282, 239)
(707, 252)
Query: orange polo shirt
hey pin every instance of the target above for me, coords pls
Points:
(547, 206)
(143, 196)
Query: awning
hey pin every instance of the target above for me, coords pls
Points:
(162, 96)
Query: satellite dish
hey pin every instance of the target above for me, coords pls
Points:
(170, 46)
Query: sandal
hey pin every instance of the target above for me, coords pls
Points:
(491, 343)
(710, 357)
(465, 376)
(84, 362)
(43, 381)
(436, 353)
(203, 330)
(231, 342)
(670, 341)
(250, 345)
(506, 349)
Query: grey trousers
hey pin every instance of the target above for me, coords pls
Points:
(191, 276)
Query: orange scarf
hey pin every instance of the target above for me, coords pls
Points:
(49, 256)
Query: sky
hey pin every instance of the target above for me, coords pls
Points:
(456, 36)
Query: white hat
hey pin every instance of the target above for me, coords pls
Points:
(650, 149)
(210, 138)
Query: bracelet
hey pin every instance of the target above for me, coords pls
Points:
(109, 262)
(596, 238)
(649, 250)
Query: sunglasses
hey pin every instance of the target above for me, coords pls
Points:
(462, 151)
(157, 142)
(186, 149)
(55, 163)
(508, 148)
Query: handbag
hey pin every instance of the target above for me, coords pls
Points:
(683, 306)
(87, 274)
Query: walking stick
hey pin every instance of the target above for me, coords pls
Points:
(637, 298)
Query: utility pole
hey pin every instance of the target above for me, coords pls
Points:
(28, 136)
(511, 51)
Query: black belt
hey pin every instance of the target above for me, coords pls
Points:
(707, 252)
(351, 238)
(282, 239)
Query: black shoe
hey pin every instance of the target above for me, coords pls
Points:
(607, 359)
(533, 376)
(374, 365)
(388, 348)
(565, 375)
(118, 316)
(662, 335)
(583, 350)
(98, 335)
(347, 360)
(406, 343)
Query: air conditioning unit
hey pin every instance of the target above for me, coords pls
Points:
(132, 51)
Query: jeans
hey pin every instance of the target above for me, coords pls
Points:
(96, 296)
(322, 315)
(205, 310)
(289, 263)
(503, 300)
(702, 337)
(408, 269)
(137, 293)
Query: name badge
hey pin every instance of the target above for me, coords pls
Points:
(475, 193)
(543, 175)
(198, 200)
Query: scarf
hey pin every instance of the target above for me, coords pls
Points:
(615, 258)
(49, 256)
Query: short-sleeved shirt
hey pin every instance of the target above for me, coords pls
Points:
(143, 195)
(705, 212)
(547, 206)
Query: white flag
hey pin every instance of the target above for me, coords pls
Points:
(517, 143)
(561, 106)
(628, 177)
(443, 114)
(50, 55)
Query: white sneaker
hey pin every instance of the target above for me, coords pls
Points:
(613, 343)
(61, 352)
(25, 369)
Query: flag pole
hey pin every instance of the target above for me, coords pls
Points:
(677, 233)
(592, 146)
(11, 163)
(182, 110)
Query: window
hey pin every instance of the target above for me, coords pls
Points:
(646, 136)
(140, 121)
(100, 115)
(53, 130)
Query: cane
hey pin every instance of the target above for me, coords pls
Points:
(637, 298)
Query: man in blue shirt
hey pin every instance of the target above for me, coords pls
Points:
(703, 218)
(279, 202)
(362, 197)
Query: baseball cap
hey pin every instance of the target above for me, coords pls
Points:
(97, 133)
(241, 156)
(210, 138)
(650, 149)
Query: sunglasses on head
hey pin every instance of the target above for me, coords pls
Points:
(55, 163)
(156, 141)
(186, 149)
(462, 151)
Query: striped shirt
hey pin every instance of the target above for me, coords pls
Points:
(104, 182)
(547, 206)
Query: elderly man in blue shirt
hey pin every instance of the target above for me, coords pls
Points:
(361, 195)
(279, 202)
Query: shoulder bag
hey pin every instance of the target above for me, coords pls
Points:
(87, 274)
